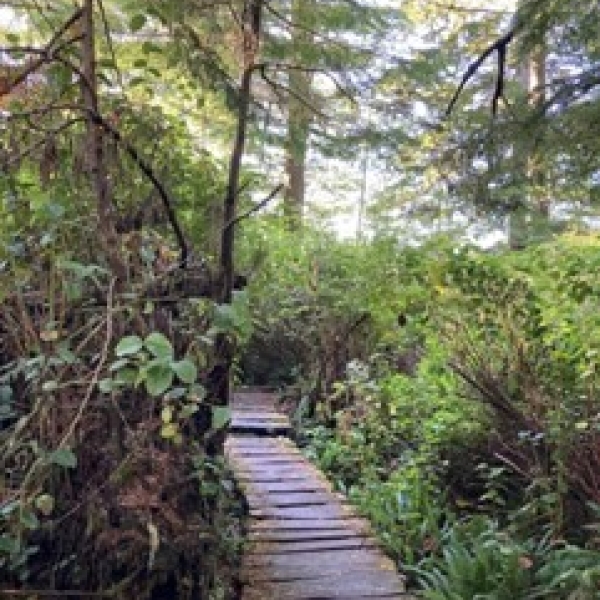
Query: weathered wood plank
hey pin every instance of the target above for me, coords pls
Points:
(289, 498)
(359, 526)
(334, 586)
(270, 547)
(299, 535)
(311, 513)
(285, 487)
(253, 575)
(363, 557)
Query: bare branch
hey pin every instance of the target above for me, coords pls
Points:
(500, 46)
(259, 206)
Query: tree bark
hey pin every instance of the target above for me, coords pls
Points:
(224, 350)
(299, 118)
(251, 30)
(96, 163)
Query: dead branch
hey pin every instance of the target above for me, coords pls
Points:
(260, 205)
(500, 46)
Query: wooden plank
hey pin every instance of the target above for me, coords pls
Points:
(299, 535)
(253, 575)
(289, 499)
(254, 415)
(242, 442)
(341, 557)
(258, 427)
(247, 479)
(268, 472)
(251, 420)
(353, 525)
(342, 585)
(313, 513)
(298, 486)
(271, 547)
(277, 459)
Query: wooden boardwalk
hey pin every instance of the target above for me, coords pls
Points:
(305, 543)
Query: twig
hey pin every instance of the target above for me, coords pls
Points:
(255, 208)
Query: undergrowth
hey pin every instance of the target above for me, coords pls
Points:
(461, 414)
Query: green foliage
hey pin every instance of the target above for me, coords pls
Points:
(150, 362)
(494, 414)
(479, 560)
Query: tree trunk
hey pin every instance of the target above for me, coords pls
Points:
(96, 163)
(536, 215)
(224, 349)
(299, 117)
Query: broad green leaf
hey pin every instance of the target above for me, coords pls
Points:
(169, 430)
(197, 392)
(28, 519)
(159, 346)
(9, 544)
(128, 345)
(6, 394)
(221, 415)
(126, 376)
(158, 380)
(64, 457)
(185, 370)
(225, 318)
(8, 508)
(188, 410)
(106, 385)
(119, 364)
(150, 47)
(176, 393)
(45, 504)
(137, 22)
(166, 414)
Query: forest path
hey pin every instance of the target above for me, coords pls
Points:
(304, 543)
